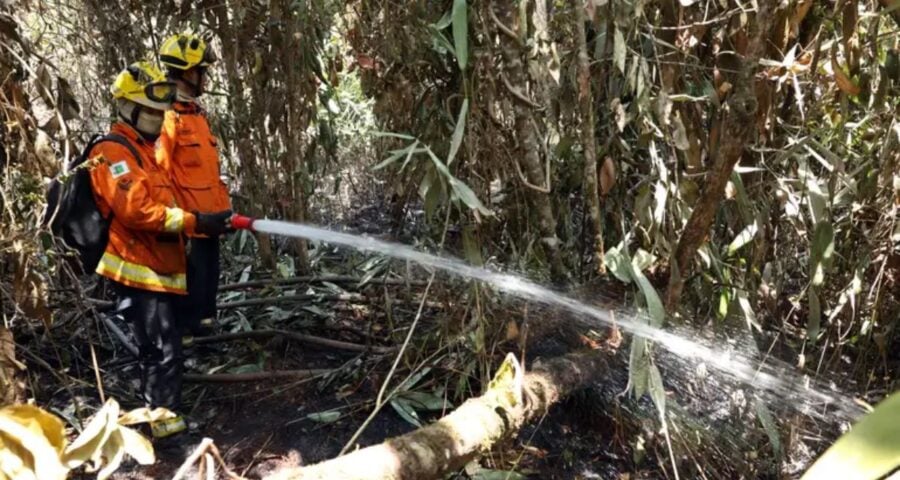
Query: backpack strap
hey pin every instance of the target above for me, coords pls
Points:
(112, 137)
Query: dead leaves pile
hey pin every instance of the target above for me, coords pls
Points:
(33, 443)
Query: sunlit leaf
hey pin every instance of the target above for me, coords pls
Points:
(137, 446)
(651, 297)
(821, 251)
(617, 262)
(619, 50)
(869, 451)
(638, 367)
(88, 445)
(743, 238)
(26, 451)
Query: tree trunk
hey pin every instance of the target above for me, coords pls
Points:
(529, 147)
(12, 390)
(737, 130)
(586, 102)
(472, 429)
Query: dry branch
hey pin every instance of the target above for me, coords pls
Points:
(467, 432)
(737, 127)
(253, 302)
(317, 279)
(308, 339)
(252, 376)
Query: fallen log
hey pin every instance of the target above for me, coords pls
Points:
(308, 339)
(511, 400)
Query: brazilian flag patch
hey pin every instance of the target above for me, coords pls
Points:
(118, 169)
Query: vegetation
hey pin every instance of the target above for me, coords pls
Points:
(728, 170)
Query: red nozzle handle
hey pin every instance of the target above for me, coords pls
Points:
(240, 222)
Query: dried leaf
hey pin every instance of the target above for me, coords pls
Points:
(26, 451)
(137, 446)
(607, 176)
(145, 415)
(89, 445)
(619, 50)
(843, 81)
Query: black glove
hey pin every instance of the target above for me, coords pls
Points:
(213, 224)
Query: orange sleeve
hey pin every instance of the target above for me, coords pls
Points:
(165, 147)
(121, 184)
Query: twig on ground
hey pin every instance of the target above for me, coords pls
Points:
(308, 339)
(317, 279)
(252, 376)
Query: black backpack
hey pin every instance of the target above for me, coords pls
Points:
(72, 213)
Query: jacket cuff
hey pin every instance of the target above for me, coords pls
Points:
(190, 223)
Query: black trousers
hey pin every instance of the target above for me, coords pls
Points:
(154, 326)
(202, 283)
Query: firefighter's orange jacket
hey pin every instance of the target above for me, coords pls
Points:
(189, 152)
(145, 248)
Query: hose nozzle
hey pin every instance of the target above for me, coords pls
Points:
(240, 222)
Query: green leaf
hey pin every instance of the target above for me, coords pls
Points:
(657, 391)
(461, 32)
(821, 251)
(617, 261)
(458, 132)
(743, 238)
(654, 304)
(401, 136)
(464, 193)
(869, 451)
(768, 423)
(814, 321)
(619, 50)
(638, 367)
(406, 411)
(642, 259)
(471, 247)
(724, 302)
(328, 416)
(425, 401)
(432, 198)
(443, 23)
(817, 205)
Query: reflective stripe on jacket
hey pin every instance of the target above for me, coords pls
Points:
(189, 152)
(145, 248)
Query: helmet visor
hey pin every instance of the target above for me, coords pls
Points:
(163, 92)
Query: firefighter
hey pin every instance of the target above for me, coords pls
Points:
(189, 152)
(145, 254)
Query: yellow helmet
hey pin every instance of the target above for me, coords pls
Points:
(186, 50)
(145, 84)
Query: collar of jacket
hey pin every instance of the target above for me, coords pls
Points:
(127, 131)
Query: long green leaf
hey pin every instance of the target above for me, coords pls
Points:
(869, 451)
(461, 32)
(464, 193)
(458, 132)
(743, 238)
(821, 251)
(654, 304)
(814, 320)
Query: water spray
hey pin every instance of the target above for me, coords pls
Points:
(784, 384)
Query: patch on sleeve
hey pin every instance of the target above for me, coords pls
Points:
(119, 168)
